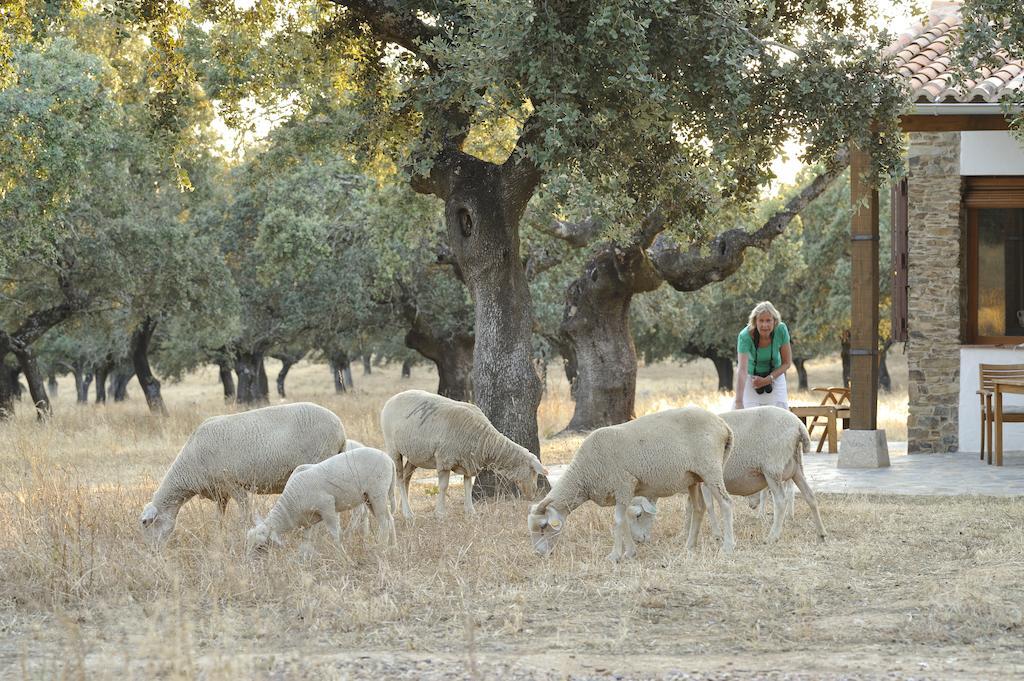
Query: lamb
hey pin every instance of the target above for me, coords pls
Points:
(424, 430)
(230, 455)
(655, 456)
(768, 452)
(318, 492)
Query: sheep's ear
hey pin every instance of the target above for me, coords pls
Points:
(538, 466)
(647, 505)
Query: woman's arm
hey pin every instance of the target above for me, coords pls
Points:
(786, 352)
(741, 378)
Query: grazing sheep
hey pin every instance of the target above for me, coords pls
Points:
(318, 492)
(230, 455)
(424, 430)
(769, 444)
(655, 456)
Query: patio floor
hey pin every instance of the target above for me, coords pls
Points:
(920, 474)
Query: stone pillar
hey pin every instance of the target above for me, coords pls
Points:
(935, 298)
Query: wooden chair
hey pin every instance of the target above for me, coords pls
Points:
(834, 405)
(988, 374)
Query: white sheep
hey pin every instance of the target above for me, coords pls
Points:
(230, 455)
(655, 456)
(424, 430)
(318, 492)
(768, 448)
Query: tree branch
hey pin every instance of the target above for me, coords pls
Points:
(392, 24)
(691, 269)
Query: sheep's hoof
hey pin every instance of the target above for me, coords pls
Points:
(728, 548)
(306, 552)
(822, 538)
(614, 556)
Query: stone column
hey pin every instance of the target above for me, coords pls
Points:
(935, 297)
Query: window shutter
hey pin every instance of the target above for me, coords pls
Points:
(900, 247)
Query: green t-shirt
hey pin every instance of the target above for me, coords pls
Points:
(745, 343)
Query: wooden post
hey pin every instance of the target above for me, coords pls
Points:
(863, 292)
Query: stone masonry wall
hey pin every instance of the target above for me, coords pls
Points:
(935, 301)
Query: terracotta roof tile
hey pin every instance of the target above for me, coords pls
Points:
(922, 57)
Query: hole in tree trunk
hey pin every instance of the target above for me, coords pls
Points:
(465, 223)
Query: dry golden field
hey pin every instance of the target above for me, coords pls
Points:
(924, 588)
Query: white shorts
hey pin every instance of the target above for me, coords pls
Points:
(778, 397)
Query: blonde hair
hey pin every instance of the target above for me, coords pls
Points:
(759, 309)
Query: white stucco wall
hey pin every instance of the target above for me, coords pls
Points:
(970, 408)
(990, 152)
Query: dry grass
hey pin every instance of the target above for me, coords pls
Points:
(902, 581)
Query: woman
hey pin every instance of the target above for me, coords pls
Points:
(763, 354)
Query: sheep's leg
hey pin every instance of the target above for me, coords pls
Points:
(242, 499)
(385, 522)
(358, 518)
(442, 491)
(778, 491)
(306, 547)
(695, 513)
(721, 497)
(467, 486)
(805, 490)
(716, 529)
(791, 499)
(619, 547)
(403, 487)
(331, 520)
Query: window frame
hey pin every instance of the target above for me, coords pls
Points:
(981, 193)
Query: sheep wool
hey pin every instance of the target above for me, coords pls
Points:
(657, 455)
(231, 455)
(318, 492)
(424, 430)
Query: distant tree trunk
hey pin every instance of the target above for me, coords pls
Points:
(252, 378)
(884, 379)
(102, 371)
(367, 366)
(801, 373)
(141, 340)
(407, 368)
(452, 355)
(336, 366)
(122, 377)
(227, 379)
(346, 373)
(83, 379)
(36, 389)
(8, 387)
(724, 368)
(596, 322)
(286, 364)
(844, 354)
(51, 383)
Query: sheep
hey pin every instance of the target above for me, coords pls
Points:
(424, 430)
(655, 456)
(767, 453)
(229, 455)
(318, 492)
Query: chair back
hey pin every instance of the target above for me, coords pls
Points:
(989, 374)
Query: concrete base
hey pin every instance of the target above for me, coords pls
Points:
(863, 449)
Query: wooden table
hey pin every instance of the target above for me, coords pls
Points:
(1000, 387)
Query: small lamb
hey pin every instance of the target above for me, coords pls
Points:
(424, 430)
(655, 456)
(230, 455)
(768, 449)
(318, 492)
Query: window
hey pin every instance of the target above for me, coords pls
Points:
(995, 267)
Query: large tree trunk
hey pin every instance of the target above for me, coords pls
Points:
(596, 322)
(227, 379)
(122, 377)
(30, 368)
(141, 339)
(252, 378)
(801, 373)
(453, 357)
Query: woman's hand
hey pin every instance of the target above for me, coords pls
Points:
(760, 381)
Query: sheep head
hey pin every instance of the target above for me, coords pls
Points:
(259, 538)
(640, 516)
(157, 523)
(546, 524)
